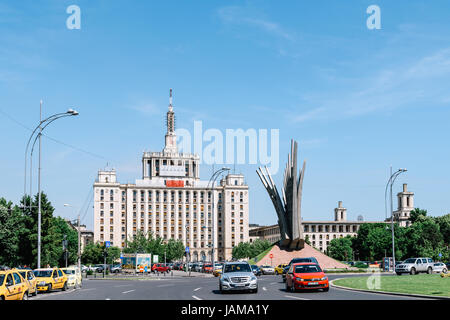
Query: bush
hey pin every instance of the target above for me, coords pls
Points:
(89, 273)
(361, 265)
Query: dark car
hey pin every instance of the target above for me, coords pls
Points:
(256, 270)
(298, 260)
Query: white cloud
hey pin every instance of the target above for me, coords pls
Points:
(423, 81)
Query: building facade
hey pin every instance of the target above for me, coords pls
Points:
(171, 202)
(320, 233)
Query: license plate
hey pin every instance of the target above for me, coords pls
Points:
(240, 285)
(313, 283)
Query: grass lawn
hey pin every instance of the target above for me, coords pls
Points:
(259, 256)
(429, 284)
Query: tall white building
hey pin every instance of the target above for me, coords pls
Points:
(170, 201)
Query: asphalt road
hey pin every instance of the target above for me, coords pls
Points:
(201, 288)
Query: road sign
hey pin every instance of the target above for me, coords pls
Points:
(107, 244)
(270, 256)
(440, 255)
(187, 249)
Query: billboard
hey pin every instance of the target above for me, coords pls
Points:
(175, 183)
(140, 262)
(144, 262)
(172, 171)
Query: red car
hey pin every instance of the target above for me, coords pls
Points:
(159, 267)
(207, 268)
(306, 276)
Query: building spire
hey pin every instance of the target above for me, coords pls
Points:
(171, 139)
(170, 101)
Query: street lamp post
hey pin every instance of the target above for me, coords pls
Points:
(213, 180)
(390, 183)
(47, 121)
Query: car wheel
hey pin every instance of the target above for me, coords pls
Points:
(326, 289)
(444, 270)
(287, 287)
(64, 288)
(413, 271)
(399, 273)
(255, 291)
(49, 289)
(25, 295)
(430, 271)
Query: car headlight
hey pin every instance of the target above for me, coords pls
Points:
(225, 279)
(324, 278)
(252, 278)
(42, 283)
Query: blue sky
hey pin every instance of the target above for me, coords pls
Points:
(357, 100)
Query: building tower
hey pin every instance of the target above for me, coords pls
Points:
(340, 213)
(405, 206)
(171, 138)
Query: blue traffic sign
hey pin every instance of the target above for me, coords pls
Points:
(440, 255)
(107, 244)
(187, 249)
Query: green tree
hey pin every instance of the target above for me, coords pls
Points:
(61, 228)
(50, 240)
(417, 215)
(174, 250)
(341, 248)
(11, 225)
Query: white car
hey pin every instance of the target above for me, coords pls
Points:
(440, 267)
(74, 279)
(267, 269)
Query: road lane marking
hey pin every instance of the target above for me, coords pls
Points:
(165, 285)
(264, 288)
(297, 298)
(197, 289)
(124, 285)
(128, 291)
(196, 298)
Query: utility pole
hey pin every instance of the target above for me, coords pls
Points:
(39, 191)
(79, 243)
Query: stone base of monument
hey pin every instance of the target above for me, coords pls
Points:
(289, 244)
(283, 254)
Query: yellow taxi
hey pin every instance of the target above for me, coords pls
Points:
(30, 279)
(279, 268)
(12, 286)
(50, 278)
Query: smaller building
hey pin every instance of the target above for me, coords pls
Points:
(86, 236)
(405, 206)
(318, 233)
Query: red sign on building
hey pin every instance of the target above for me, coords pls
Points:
(175, 183)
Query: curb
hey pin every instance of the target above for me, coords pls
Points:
(390, 293)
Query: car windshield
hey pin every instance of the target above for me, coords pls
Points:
(304, 260)
(2, 278)
(241, 267)
(307, 269)
(437, 264)
(42, 273)
(69, 271)
(409, 261)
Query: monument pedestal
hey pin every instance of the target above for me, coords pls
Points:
(282, 254)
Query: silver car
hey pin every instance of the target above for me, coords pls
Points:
(415, 265)
(440, 267)
(237, 276)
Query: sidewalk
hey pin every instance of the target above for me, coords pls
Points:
(147, 276)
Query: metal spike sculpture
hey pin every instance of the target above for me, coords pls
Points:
(288, 207)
